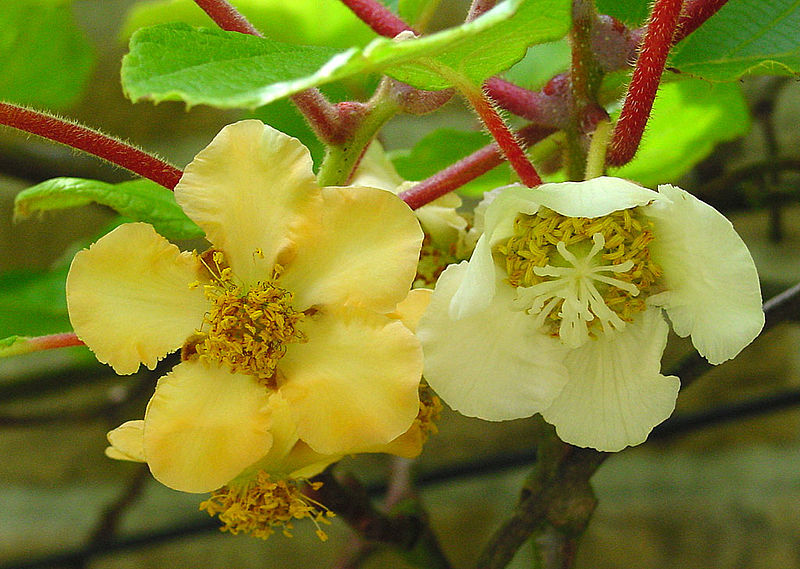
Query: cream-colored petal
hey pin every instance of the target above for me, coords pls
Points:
(129, 297)
(442, 222)
(411, 309)
(251, 189)
(492, 364)
(592, 198)
(364, 253)
(616, 393)
(126, 442)
(204, 425)
(354, 383)
(477, 287)
(713, 293)
(376, 170)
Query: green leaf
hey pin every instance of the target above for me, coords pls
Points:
(630, 12)
(689, 118)
(443, 147)
(540, 64)
(138, 200)
(744, 37)
(296, 22)
(226, 69)
(207, 66)
(45, 58)
(33, 303)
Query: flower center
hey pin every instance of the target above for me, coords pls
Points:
(576, 273)
(261, 506)
(248, 330)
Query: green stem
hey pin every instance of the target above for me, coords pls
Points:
(596, 159)
(341, 159)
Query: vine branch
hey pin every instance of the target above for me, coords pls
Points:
(92, 141)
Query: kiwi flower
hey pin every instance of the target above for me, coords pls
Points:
(560, 309)
(294, 349)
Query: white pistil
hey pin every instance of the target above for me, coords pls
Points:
(575, 286)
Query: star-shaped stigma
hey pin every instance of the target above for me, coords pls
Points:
(577, 291)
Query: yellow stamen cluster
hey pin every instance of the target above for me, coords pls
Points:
(432, 262)
(625, 239)
(247, 329)
(430, 408)
(263, 505)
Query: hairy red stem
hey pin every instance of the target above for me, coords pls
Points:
(479, 7)
(694, 14)
(504, 136)
(378, 17)
(91, 141)
(467, 169)
(644, 82)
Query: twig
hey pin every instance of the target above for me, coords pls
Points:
(92, 141)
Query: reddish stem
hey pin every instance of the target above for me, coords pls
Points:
(547, 107)
(505, 138)
(378, 17)
(91, 141)
(227, 17)
(466, 169)
(52, 341)
(644, 82)
(323, 117)
(694, 15)
(479, 7)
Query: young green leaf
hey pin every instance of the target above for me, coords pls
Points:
(745, 37)
(138, 200)
(45, 58)
(296, 22)
(226, 69)
(689, 118)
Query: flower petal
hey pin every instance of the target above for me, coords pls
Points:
(712, 285)
(288, 457)
(492, 364)
(411, 309)
(477, 287)
(204, 425)
(592, 198)
(251, 189)
(126, 442)
(364, 253)
(616, 394)
(129, 298)
(354, 383)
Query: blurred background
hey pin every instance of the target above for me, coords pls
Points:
(718, 485)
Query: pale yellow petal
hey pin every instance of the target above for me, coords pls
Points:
(616, 393)
(713, 292)
(126, 442)
(364, 253)
(288, 457)
(204, 425)
(376, 170)
(251, 189)
(494, 363)
(354, 383)
(129, 297)
(594, 197)
(411, 309)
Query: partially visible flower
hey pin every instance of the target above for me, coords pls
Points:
(445, 228)
(559, 309)
(291, 328)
